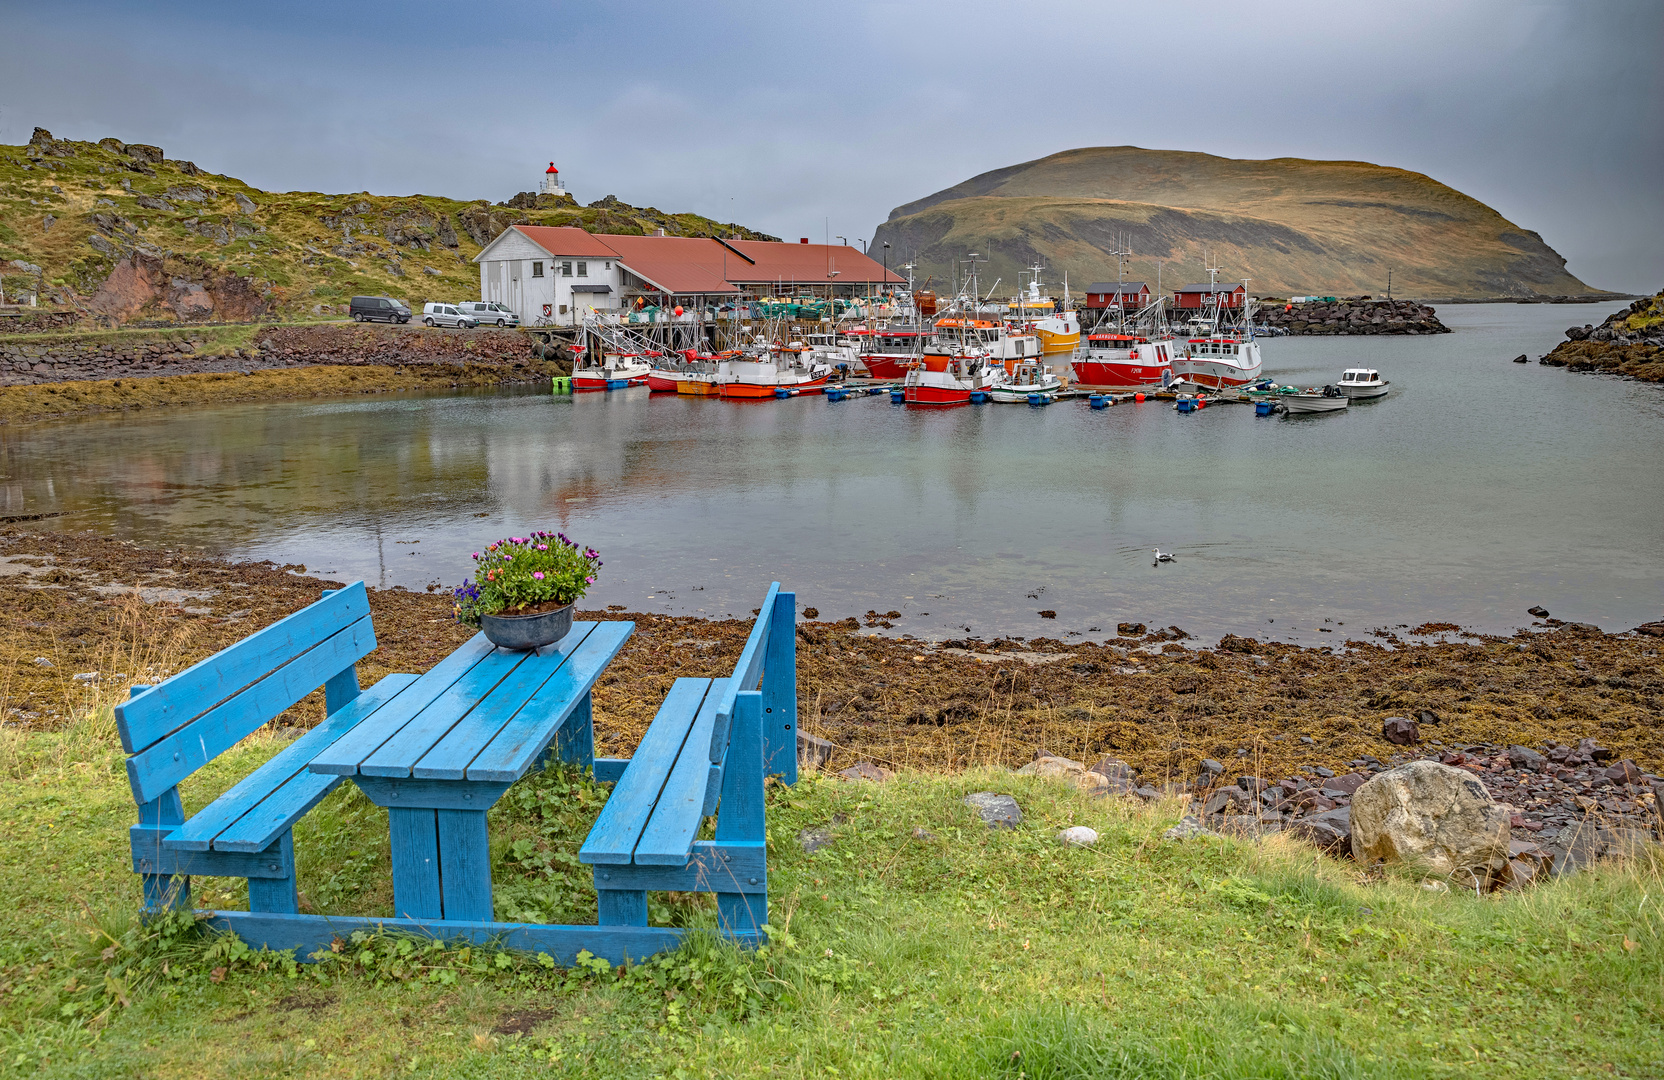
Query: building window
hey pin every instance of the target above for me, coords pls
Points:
(565, 269)
(537, 269)
(583, 269)
(609, 266)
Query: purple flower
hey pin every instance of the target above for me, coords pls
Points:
(543, 547)
(538, 574)
(589, 580)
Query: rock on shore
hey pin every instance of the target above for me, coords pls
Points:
(1360, 315)
(1630, 341)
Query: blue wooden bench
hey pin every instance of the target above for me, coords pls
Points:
(708, 749)
(175, 728)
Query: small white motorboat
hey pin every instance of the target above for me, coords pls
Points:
(1328, 399)
(1359, 383)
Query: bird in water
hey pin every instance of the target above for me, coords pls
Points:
(1164, 556)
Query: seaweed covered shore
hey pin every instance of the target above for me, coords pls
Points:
(87, 616)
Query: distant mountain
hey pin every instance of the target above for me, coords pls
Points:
(124, 231)
(1289, 225)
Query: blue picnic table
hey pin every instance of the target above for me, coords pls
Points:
(440, 753)
(437, 750)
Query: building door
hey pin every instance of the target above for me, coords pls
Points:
(514, 289)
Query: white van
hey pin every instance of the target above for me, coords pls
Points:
(486, 313)
(447, 315)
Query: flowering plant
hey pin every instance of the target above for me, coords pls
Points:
(526, 575)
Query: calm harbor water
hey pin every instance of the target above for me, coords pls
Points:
(1476, 489)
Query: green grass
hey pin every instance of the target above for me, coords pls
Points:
(967, 953)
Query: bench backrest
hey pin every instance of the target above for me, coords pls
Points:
(748, 671)
(174, 728)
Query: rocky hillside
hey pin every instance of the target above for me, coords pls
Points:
(124, 232)
(1630, 341)
(1291, 226)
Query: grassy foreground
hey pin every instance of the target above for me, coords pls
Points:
(951, 951)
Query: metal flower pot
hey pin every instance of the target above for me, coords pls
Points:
(527, 631)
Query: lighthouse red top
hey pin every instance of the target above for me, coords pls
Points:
(550, 169)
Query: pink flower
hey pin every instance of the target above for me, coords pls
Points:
(538, 574)
(543, 547)
(589, 580)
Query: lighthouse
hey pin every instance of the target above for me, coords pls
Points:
(551, 182)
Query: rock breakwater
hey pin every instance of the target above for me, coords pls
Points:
(1357, 316)
(1630, 342)
(24, 363)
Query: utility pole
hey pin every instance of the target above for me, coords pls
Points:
(1389, 283)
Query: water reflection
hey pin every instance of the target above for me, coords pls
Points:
(1478, 488)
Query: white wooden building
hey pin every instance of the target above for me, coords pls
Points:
(549, 275)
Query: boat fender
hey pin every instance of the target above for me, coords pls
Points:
(1138, 397)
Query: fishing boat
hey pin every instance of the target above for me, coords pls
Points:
(614, 372)
(999, 340)
(690, 372)
(759, 372)
(1056, 326)
(1122, 361)
(1363, 383)
(1030, 377)
(949, 377)
(1123, 353)
(1221, 351)
(1328, 399)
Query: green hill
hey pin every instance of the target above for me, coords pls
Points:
(1290, 225)
(128, 233)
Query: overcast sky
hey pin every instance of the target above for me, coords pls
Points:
(807, 119)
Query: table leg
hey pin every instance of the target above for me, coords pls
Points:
(575, 741)
(620, 907)
(415, 841)
(465, 862)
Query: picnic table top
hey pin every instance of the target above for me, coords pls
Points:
(481, 714)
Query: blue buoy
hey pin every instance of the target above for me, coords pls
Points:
(1187, 405)
(978, 397)
(897, 397)
(1039, 399)
(1097, 401)
(1263, 408)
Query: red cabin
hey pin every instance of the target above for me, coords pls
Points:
(1197, 297)
(1126, 295)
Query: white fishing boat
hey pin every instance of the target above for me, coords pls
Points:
(1029, 377)
(1224, 352)
(1328, 399)
(1363, 383)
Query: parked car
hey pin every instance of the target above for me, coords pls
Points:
(487, 312)
(447, 315)
(365, 308)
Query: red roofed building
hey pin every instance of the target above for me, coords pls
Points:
(553, 275)
(1196, 297)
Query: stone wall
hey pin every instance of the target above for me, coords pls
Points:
(1360, 316)
(25, 363)
(38, 321)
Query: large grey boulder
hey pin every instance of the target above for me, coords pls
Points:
(1437, 815)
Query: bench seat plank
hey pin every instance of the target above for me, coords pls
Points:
(668, 838)
(613, 838)
(152, 716)
(515, 749)
(456, 750)
(289, 764)
(217, 730)
(399, 754)
(342, 758)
